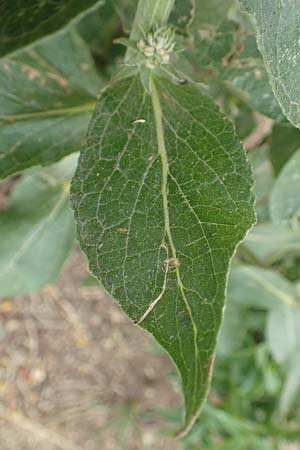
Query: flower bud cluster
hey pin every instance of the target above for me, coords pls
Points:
(157, 46)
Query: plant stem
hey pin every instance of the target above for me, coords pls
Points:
(149, 13)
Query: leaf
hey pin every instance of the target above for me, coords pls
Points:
(231, 53)
(183, 13)
(270, 243)
(162, 195)
(46, 99)
(39, 230)
(291, 388)
(285, 198)
(283, 333)
(283, 137)
(23, 23)
(97, 27)
(264, 180)
(277, 25)
(211, 12)
(230, 329)
(259, 288)
(126, 10)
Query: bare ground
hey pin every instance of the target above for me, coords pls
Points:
(75, 374)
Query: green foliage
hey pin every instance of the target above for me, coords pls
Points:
(283, 137)
(285, 201)
(39, 230)
(163, 192)
(277, 25)
(21, 23)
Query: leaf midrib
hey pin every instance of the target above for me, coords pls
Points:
(84, 107)
(157, 111)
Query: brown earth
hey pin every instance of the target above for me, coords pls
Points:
(75, 374)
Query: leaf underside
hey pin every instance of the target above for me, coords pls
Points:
(162, 195)
(277, 24)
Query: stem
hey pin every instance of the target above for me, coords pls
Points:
(149, 13)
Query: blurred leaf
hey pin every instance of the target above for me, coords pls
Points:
(285, 198)
(277, 25)
(283, 333)
(183, 13)
(211, 12)
(126, 10)
(21, 23)
(230, 329)
(230, 52)
(243, 119)
(264, 180)
(270, 243)
(285, 140)
(39, 230)
(47, 94)
(98, 28)
(259, 288)
(291, 387)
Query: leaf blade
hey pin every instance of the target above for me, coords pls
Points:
(132, 210)
(277, 24)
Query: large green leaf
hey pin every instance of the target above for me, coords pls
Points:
(285, 198)
(278, 23)
(22, 22)
(47, 94)
(162, 195)
(37, 230)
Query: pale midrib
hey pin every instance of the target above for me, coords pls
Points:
(89, 106)
(164, 188)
